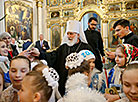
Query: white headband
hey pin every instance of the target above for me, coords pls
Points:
(51, 82)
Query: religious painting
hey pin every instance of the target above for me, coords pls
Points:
(19, 20)
(87, 2)
(134, 25)
(55, 14)
(68, 13)
(114, 7)
(55, 35)
(112, 37)
(132, 5)
(54, 2)
(68, 1)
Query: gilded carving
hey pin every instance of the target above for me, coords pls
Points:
(19, 20)
(39, 1)
(38, 4)
(107, 10)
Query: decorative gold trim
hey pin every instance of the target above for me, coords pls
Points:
(40, 1)
(82, 12)
(104, 21)
(38, 4)
(101, 9)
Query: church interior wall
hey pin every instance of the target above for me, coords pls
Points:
(49, 17)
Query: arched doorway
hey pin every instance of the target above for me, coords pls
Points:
(99, 13)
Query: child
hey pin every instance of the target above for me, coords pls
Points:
(12, 50)
(124, 54)
(19, 66)
(4, 62)
(90, 58)
(1, 80)
(77, 89)
(130, 83)
(37, 87)
(34, 60)
(54, 75)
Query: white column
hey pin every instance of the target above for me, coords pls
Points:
(39, 14)
(49, 37)
(2, 23)
(44, 20)
(35, 37)
(62, 32)
(105, 34)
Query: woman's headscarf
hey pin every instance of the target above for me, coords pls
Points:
(130, 51)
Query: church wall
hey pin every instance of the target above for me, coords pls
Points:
(108, 10)
(50, 16)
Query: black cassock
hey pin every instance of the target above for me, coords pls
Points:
(56, 59)
(95, 41)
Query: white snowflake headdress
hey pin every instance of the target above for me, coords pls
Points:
(73, 60)
(51, 77)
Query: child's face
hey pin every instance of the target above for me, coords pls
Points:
(91, 63)
(130, 84)
(26, 92)
(3, 49)
(18, 69)
(1, 84)
(119, 58)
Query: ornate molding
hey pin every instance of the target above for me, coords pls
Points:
(104, 21)
(40, 1)
(38, 4)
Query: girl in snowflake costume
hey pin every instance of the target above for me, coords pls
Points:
(77, 89)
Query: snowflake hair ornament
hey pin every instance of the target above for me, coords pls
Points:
(54, 74)
(51, 81)
(73, 60)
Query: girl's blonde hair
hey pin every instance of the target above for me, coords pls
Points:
(130, 66)
(39, 83)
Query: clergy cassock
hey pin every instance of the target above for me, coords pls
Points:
(56, 59)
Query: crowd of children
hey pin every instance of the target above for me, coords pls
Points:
(84, 84)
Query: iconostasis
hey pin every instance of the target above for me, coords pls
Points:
(23, 22)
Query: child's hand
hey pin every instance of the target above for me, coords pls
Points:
(110, 55)
(111, 98)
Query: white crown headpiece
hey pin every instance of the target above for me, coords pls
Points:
(73, 60)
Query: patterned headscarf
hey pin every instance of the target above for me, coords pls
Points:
(130, 51)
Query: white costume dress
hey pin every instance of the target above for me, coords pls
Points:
(77, 90)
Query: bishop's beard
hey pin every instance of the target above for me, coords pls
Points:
(73, 41)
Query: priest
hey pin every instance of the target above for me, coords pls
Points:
(74, 40)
